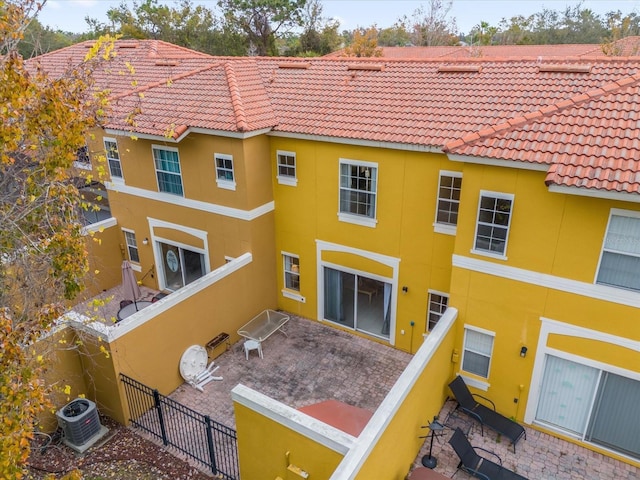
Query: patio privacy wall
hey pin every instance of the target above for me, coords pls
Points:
(157, 336)
(106, 253)
(385, 449)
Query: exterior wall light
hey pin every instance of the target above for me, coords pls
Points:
(523, 352)
(145, 241)
(405, 289)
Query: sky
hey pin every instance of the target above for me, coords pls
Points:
(69, 15)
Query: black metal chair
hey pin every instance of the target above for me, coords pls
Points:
(485, 415)
(124, 303)
(476, 465)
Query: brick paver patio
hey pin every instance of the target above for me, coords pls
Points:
(316, 363)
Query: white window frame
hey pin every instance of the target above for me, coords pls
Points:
(429, 311)
(107, 150)
(83, 151)
(364, 220)
(444, 227)
(178, 174)
(464, 351)
(507, 227)
(129, 247)
(291, 292)
(224, 182)
(618, 213)
(285, 179)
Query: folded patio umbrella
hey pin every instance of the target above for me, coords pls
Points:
(130, 289)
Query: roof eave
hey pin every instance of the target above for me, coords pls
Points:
(593, 193)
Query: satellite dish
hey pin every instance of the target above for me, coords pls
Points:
(193, 362)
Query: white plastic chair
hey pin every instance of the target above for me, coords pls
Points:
(252, 345)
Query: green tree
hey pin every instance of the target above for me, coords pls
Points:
(263, 21)
(395, 36)
(320, 35)
(39, 39)
(43, 252)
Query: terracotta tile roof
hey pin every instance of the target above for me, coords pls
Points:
(628, 46)
(526, 110)
(589, 141)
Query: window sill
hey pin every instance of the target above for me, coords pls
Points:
(293, 296)
(136, 267)
(117, 180)
(484, 253)
(291, 181)
(445, 229)
(357, 220)
(474, 382)
(226, 184)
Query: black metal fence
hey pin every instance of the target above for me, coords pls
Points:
(205, 441)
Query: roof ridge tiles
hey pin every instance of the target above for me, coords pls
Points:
(511, 123)
(236, 98)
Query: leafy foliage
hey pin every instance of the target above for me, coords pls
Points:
(43, 255)
(364, 44)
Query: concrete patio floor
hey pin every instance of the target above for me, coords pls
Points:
(316, 362)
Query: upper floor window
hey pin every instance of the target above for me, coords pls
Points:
(167, 165)
(477, 351)
(437, 305)
(492, 228)
(358, 191)
(132, 246)
(113, 157)
(224, 171)
(287, 168)
(291, 271)
(620, 259)
(449, 188)
(82, 158)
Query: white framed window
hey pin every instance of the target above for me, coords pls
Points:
(286, 168)
(492, 227)
(113, 158)
(620, 257)
(224, 171)
(167, 163)
(449, 187)
(477, 351)
(358, 192)
(437, 304)
(82, 158)
(132, 245)
(291, 271)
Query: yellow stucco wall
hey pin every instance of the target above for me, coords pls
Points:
(396, 449)
(264, 443)
(407, 190)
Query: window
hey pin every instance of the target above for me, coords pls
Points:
(132, 246)
(224, 172)
(494, 217)
(94, 201)
(113, 157)
(291, 272)
(82, 158)
(437, 305)
(168, 170)
(358, 186)
(620, 260)
(180, 266)
(448, 201)
(476, 357)
(287, 168)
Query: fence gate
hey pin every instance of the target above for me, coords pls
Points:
(205, 441)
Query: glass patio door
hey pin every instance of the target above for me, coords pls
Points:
(597, 406)
(180, 266)
(357, 302)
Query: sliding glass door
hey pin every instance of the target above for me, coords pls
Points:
(180, 266)
(357, 302)
(595, 405)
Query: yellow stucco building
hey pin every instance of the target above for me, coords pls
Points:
(373, 194)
